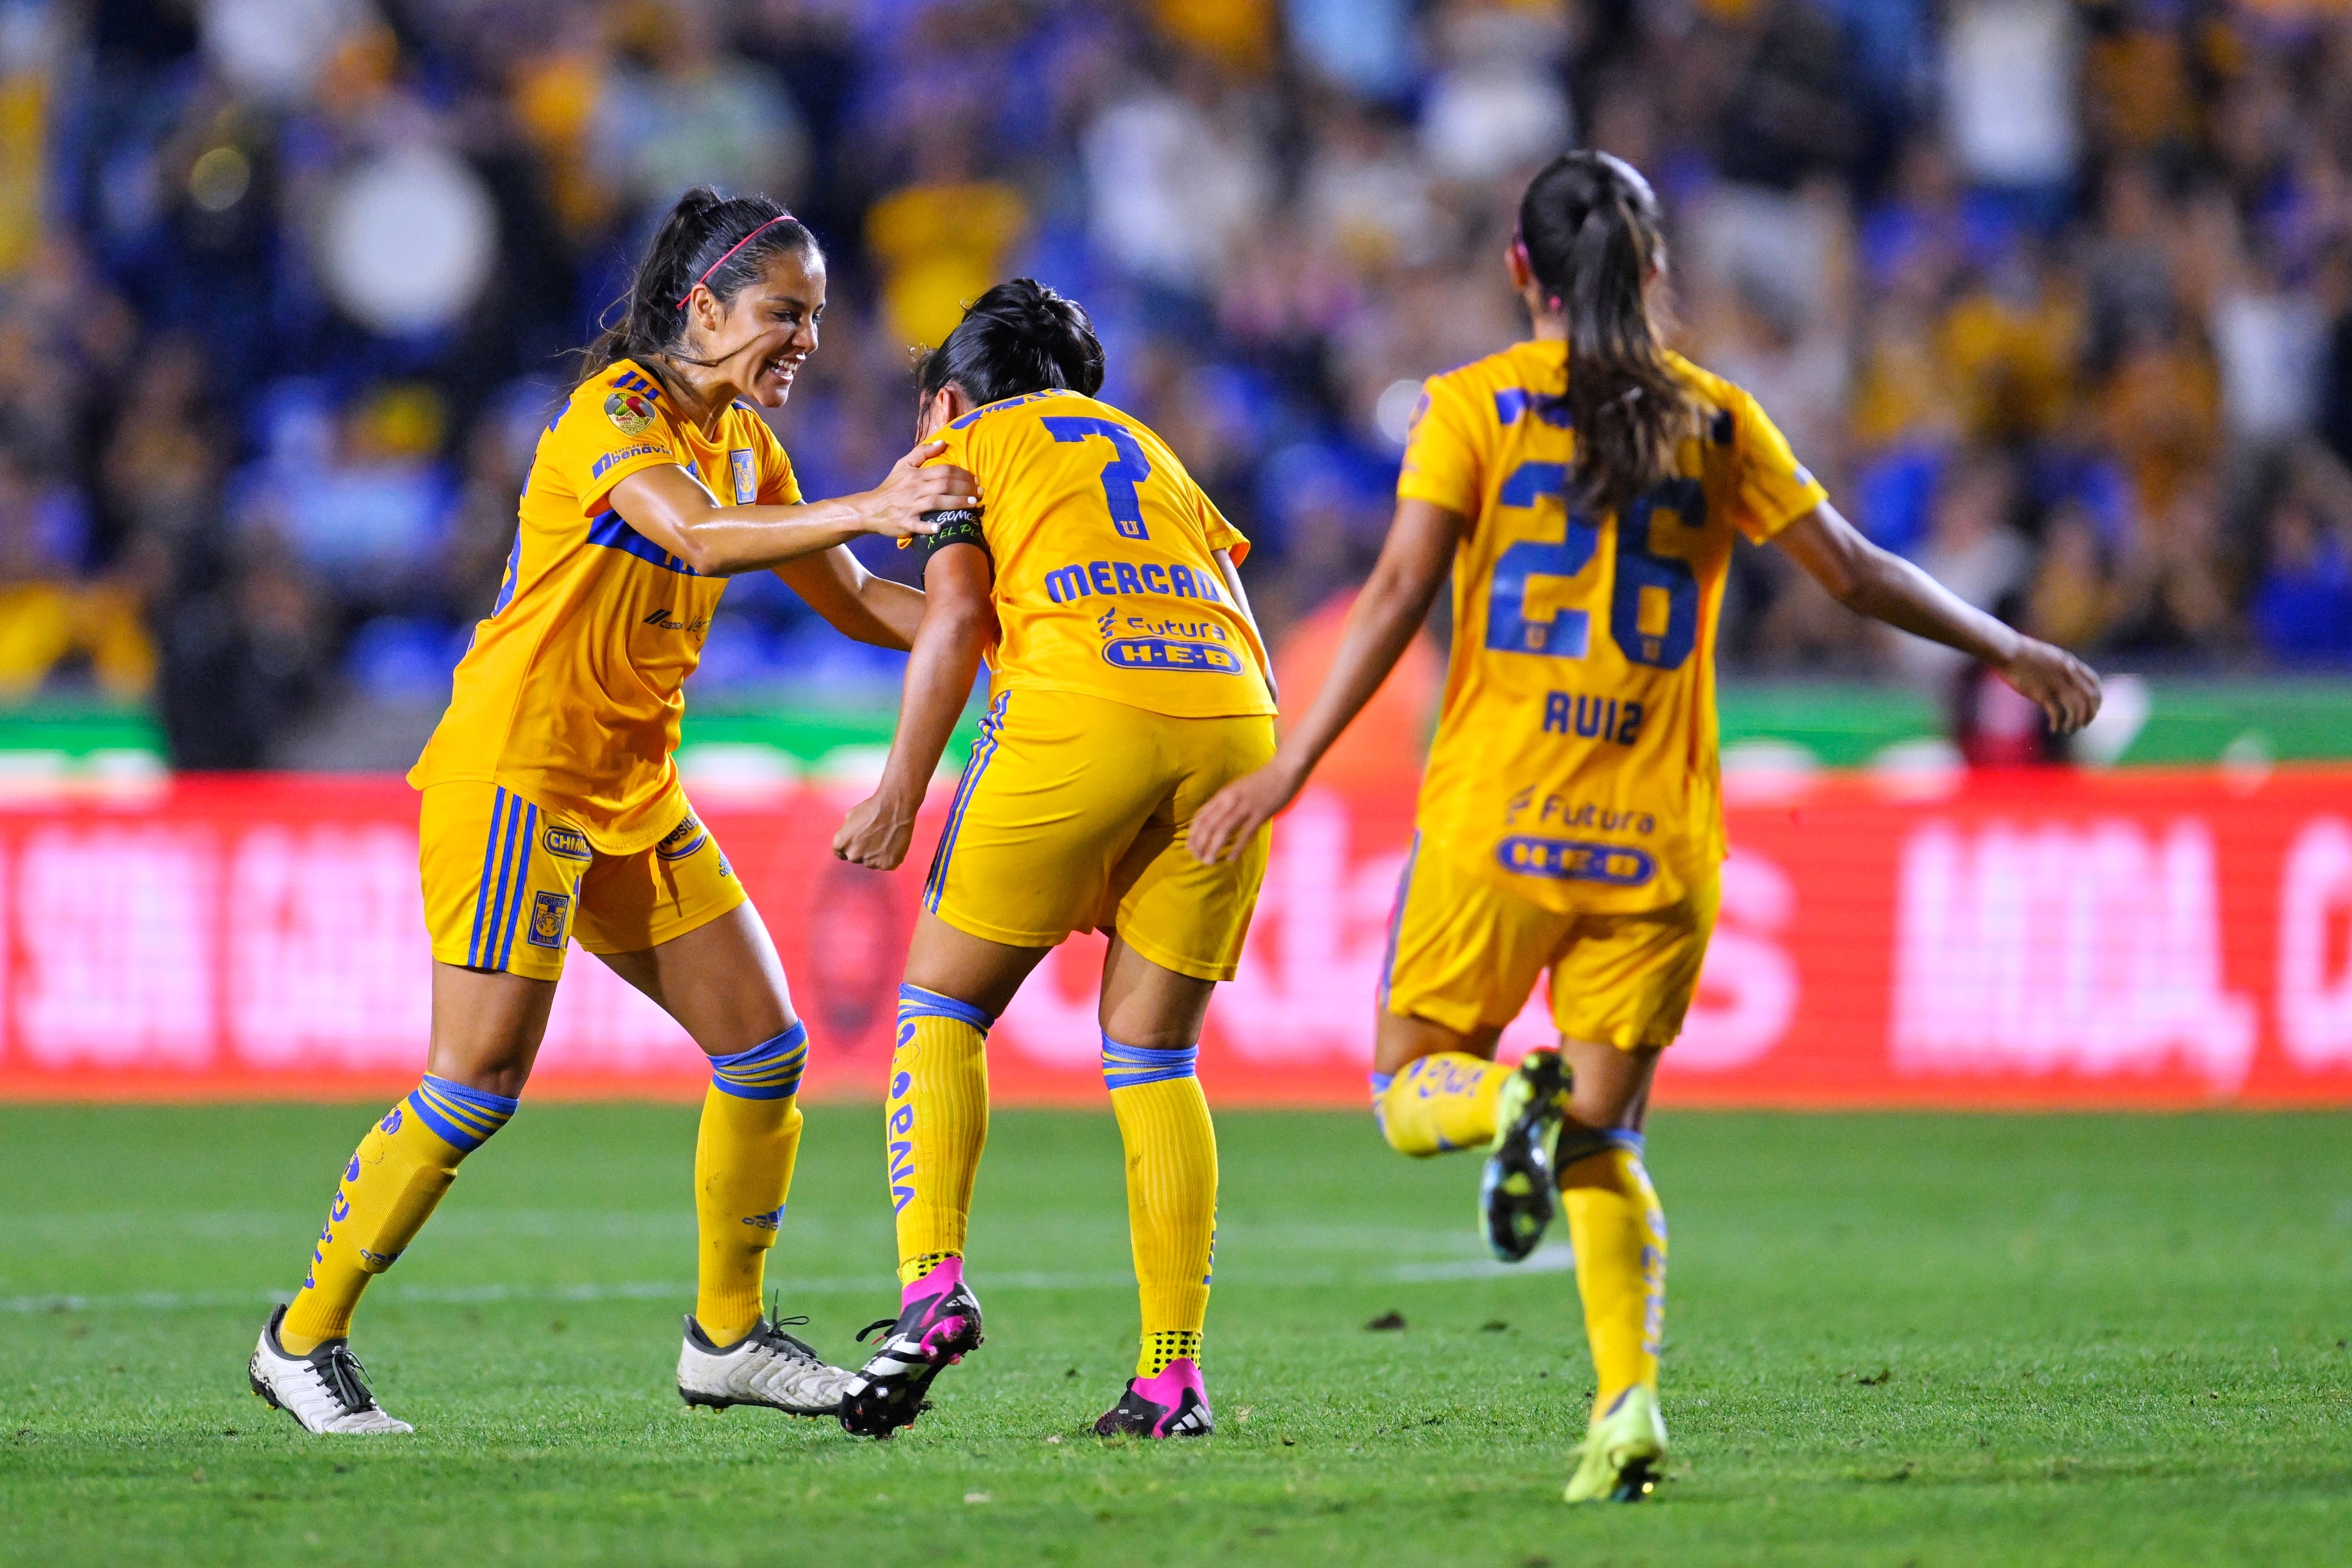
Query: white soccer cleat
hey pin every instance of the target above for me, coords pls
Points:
(766, 1366)
(325, 1391)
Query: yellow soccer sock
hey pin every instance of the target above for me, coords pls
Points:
(1440, 1101)
(937, 1124)
(1172, 1193)
(1619, 1235)
(744, 1158)
(400, 1171)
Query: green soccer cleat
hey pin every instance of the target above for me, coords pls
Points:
(1622, 1453)
(1517, 1191)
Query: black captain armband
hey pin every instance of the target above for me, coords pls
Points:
(958, 526)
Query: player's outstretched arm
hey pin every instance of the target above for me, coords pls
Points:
(1884, 586)
(671, 507)
(1382, 624)
(859, 605)
(957, 617)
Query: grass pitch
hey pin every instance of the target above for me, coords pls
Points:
(1891, 1340)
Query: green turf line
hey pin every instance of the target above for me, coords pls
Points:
(1891, 1339)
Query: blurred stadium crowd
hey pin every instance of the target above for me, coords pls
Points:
(2056, 297)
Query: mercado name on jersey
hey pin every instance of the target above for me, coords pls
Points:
(1106, 576)
(1575, 755)
(571, 692)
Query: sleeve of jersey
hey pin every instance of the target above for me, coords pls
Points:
(1775, 489)
(1220, 533)
(594, 448)
(964, 525)
(1441, 454)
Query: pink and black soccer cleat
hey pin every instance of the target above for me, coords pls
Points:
(938, 1326)
(1172, 1404)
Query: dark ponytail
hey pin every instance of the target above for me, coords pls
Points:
(1019, 336)
(720, 242)
(1588, 225)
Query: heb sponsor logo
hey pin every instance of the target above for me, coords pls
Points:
(2094, 949)
(1575, 860)
(1169, 653)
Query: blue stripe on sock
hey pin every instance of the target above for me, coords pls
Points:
(482, 893)
(914, 1002)
(768, 1070)
(1126, 1066)
(1381, 1082)
(461, 1117)
(1578, 1143)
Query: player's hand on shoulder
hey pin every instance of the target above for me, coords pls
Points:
(1232, 816)
(2066, 688)
(916, 486)
(876, 833)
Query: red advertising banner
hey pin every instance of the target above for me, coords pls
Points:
(2126, 939)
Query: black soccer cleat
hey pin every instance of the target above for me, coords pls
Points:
(937, 1326)
(1517, 1190)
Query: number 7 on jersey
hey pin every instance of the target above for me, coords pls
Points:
(1130, 469)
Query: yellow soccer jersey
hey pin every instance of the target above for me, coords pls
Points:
(1575, 755)
(1105, 582)
(570, 693)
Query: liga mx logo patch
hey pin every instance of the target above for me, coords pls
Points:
(547, 912)
(747, 477)
(631, 411)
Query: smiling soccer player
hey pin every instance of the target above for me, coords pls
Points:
(552, 811)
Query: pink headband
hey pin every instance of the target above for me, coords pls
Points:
(739, 245)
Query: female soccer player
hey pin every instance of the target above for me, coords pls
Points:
(551, 806)
(1584, 487)
(1128, 685)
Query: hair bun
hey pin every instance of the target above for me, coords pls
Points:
(1019, 336)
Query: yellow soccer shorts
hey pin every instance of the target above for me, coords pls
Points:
(507, 885)
(1071, 815)
(1464, 954)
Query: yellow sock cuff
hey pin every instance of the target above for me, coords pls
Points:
(935, 1119)
(389, 1189)
(914, 1268)
(1171, 1201)
(1618, 1231)
(743, 1157)
(1440, 1101)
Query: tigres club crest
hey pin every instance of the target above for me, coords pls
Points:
(631, 411)
(548, 911)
